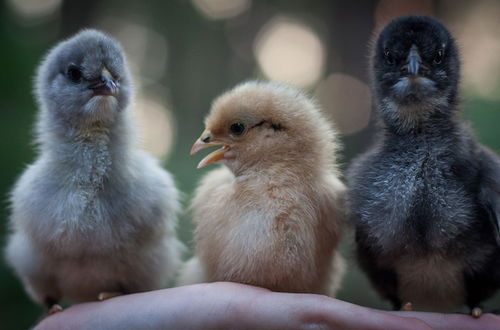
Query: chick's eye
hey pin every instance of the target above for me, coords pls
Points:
(74, 73)
(388, 57)
(439, 56)
(237, 128)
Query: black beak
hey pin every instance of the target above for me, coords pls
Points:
(413, 61)
(105, 85)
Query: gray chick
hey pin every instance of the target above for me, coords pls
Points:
(425, 200)
(94, 215)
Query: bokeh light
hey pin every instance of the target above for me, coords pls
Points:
(34, 8)
(479, 43)
(221, 9)
(347, 99)
(290, 51)
(139, 42)
(156, 125)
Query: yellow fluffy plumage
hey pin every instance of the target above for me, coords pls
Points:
(273, 215)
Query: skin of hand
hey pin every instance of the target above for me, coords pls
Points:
(93, 213)
(224, 305)
(273, 215)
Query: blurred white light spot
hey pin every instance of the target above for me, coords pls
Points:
(290, 51)
(145, 48)
(347, 99)
(478, 36)
(156, 126)
(34, 8)
(221, 9)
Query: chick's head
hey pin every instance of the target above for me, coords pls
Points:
(415, 62)
(259, 124)
(84, 80)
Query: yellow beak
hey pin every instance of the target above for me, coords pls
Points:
(212, 157)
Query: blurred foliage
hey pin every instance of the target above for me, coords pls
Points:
(201, 63)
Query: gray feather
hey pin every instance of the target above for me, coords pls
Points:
(93, 213)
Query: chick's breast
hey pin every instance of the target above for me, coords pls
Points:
(274, 237)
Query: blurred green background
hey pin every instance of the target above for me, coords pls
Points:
(184, 53)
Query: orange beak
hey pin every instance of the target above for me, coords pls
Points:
(212, 157)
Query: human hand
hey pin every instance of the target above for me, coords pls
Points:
(225, 305)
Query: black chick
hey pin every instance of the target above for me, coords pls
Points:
(425, 200)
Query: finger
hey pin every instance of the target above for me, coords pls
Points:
(455, 321)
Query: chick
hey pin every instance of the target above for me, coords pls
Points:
(425, 200)
(93, 215)
(273, 216)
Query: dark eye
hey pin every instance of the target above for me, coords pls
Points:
(439, 56)
(237, 128)
(74, 73)
(388, 57)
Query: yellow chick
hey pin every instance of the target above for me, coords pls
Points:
(273, 216)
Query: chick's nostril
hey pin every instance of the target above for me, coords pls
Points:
(206, 139)
(206, 136)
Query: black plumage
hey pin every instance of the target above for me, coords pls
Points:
(425, 199)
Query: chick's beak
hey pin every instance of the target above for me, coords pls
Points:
(204, 141)
(105, 85)
(413, 61)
